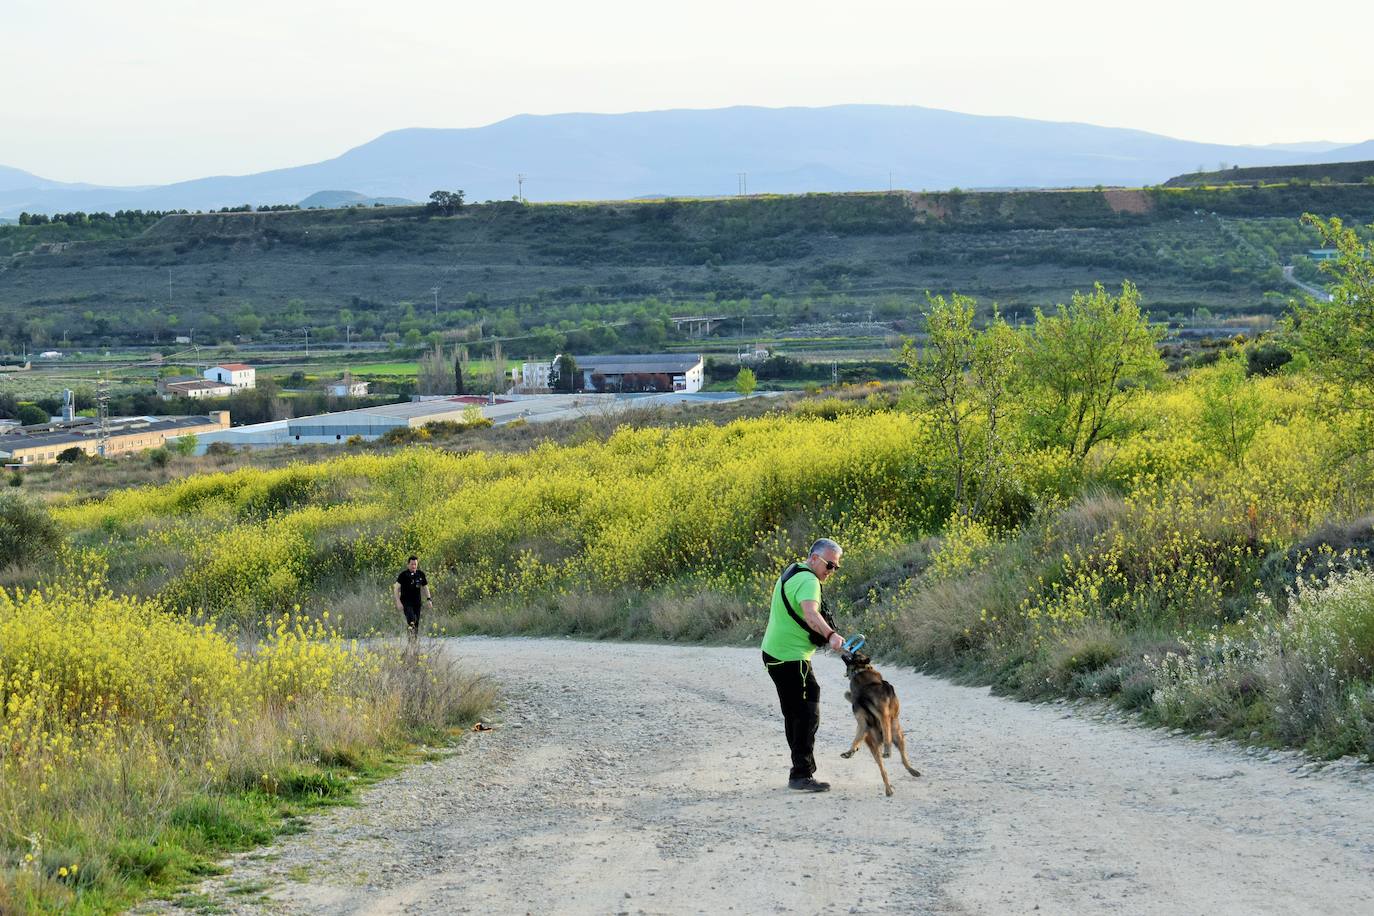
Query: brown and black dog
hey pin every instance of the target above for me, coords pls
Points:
(875, 709)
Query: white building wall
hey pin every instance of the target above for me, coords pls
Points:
(535, 375)
(236, 378)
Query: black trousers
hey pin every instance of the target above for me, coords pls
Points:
(412, 612)
(799, 694)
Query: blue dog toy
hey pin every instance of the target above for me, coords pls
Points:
(852, 644)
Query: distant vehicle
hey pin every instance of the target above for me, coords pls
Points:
(50, 354)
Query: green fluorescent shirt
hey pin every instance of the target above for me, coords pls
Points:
(785, 639)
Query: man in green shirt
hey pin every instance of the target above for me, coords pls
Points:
(787, 649)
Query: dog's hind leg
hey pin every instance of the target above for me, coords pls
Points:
(871, 739)
(858, 739)
(899, 737)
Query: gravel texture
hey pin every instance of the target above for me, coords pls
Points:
(651, 779)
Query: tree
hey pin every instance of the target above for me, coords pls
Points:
(962, 376)
(1337, 337)
(498, 367)
(1231, 409)
(32, 415)
(1082, 367)
(567, 375)
(434, 376)
(185, 445)
(73, 455)
(745, 382)
(445, 203)
(460, 364)
(28, 533)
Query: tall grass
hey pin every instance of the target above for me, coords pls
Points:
(138, 746)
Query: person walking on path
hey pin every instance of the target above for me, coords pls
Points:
(797, 626)
(409, 589)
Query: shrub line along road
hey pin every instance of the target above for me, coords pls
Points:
(649, 778)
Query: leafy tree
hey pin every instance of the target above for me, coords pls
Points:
(32, 415)
(1082, 367)
(73, 455)
(962, 376)
(1337, 337)
(185, 445)
(445, 203)
(1231, 411)
(745, 382)
(567, 379)
(248, 324)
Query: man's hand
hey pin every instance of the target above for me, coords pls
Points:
(836, 641)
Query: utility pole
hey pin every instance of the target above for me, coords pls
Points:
(743, 183)
(307, 343)
(520, 187)
(435, 291)
(348, 335)
(102, 404)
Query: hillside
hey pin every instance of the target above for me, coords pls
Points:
(580, 156)
(1335, 172)
(622, 268)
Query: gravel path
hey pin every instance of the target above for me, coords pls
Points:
(650, 779)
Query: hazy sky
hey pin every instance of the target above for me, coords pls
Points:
(151, 91)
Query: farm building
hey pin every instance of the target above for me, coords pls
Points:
(236, 375)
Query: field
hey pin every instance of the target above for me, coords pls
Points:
(596, 278)
(1039, 505)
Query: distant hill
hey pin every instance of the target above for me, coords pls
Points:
(1316, 146)
(330, 199)
(614, 272)
(686, 153)
(1338, 172)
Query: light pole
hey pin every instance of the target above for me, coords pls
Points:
(435, 291)
(307, 343)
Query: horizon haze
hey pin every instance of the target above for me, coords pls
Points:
(155, 92)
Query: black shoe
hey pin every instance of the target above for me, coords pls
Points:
(808, 784)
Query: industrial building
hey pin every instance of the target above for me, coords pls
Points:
(41, 444)
(192, 386)
(644, 372)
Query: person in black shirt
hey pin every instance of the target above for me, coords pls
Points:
(410, 586)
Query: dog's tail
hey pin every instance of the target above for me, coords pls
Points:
(872, 711)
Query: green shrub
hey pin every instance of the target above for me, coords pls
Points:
(27, 532)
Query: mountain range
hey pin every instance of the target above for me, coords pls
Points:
(713, 152)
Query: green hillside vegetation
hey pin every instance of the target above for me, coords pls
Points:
(598, 277)
(1328, 173)
(1043, 509)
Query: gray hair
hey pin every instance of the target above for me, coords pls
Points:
(826, 544)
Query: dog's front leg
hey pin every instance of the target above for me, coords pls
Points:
(858, 739)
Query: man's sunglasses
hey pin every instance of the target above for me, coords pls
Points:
(830, 567)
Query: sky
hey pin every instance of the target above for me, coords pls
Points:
(154, 91)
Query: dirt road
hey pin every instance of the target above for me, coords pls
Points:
(650, 779)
